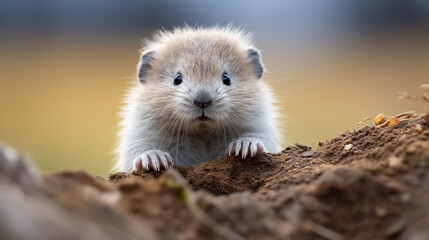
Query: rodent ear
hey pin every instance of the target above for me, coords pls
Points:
(145, 65)
(255, 60)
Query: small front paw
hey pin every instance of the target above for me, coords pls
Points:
(245, 146)
(153, 160)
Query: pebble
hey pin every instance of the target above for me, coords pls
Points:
(380, 212)
(405, 197)
(394, 161)
(308, 153)
(419, 128)
(348, 147)
(111, 197)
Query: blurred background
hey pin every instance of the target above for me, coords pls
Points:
(64, 66)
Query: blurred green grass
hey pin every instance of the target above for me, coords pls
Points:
(59, 98)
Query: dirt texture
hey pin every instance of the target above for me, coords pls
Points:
(368, 183)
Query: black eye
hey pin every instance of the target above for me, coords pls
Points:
(178, 79)
(225, 79)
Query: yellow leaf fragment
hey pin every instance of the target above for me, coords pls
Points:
(380, 119)
(393, 121)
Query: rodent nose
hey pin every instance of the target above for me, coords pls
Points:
(202, 104)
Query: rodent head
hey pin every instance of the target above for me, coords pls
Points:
(201, 76)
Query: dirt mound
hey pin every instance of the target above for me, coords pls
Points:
(370, 183)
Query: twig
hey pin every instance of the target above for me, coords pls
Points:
(406, 115)
(322, 231)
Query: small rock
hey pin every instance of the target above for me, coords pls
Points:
(418, 128)
(348, 147)
(411, 149)
(380, 212)
(394, 162)
(405, 197)
(308, 153)
(111, 197)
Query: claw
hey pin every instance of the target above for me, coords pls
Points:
(253, 149)
(245, 147)
(230, 148)
(260, 147)
(153, 160)
(145, 161)
(237, 148)
(169, 159)
(164, 161)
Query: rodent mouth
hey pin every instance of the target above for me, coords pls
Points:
(202, 117)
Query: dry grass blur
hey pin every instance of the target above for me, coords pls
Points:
(59, 98)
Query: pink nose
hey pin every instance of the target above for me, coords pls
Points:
(202, 104)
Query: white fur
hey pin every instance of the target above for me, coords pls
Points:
(160, 125)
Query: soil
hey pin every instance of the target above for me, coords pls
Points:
(368, 183)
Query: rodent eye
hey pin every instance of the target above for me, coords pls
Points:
(178, 79)
(225, 79)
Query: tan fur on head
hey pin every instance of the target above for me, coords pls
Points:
(200, 49)
(161, 115)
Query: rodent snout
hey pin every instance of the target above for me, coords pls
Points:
(202, 104)
(202, 99)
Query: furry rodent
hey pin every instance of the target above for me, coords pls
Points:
(199, 96)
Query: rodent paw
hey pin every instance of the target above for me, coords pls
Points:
(153, 160)
(245, 146)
